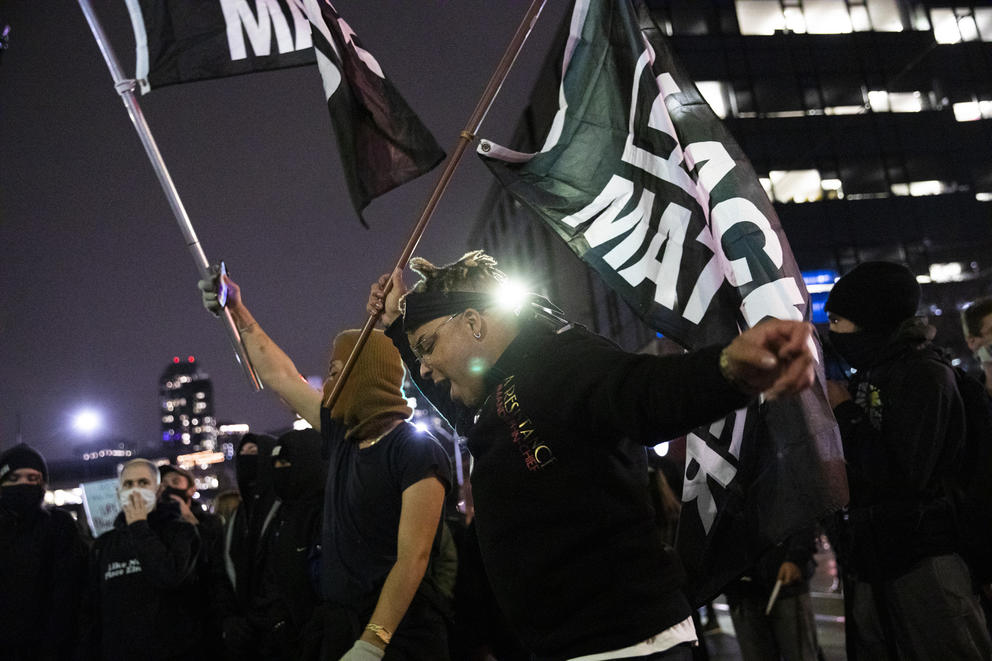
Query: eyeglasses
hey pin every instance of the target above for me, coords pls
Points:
(423, 347)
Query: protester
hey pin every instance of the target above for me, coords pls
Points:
(788, 630)
(142, 601)
(225, 504)
(178, 486)
(245, 536)
(287, 592)
(42, 564)
(555, 418)
(385, 488)
(908, 592)
(977, 322)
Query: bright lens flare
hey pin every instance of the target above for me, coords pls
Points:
(511, 295)
(86, 421)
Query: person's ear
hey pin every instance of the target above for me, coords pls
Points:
(476, 324)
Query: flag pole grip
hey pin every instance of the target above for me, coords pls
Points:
(125, 87)
(465, 138)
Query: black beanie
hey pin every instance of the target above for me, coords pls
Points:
(22, 456)
(876, 295)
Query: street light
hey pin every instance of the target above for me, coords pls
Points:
(86, 421)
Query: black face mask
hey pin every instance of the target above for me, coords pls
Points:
(168, 492)
(282, 482)
(22, 498)
(861, 349)
(246, 466)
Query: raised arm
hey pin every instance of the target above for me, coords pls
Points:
(274, 368)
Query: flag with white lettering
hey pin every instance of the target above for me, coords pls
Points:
(181, 41)
(383, 143)
(644, 183)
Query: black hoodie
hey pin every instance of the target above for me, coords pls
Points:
(248, 524)
(903, 431)
(42, 572)
(287, 593)
(142, 589)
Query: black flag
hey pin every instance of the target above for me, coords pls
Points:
(641, 179)
(383, 143)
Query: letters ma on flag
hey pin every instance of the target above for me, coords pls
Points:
(383, 143)
(640, 178)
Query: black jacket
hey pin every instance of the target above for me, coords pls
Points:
(248, 526)
(42, 575)
(143, 592)
(287, 590)
(564, 519)
(903, 433)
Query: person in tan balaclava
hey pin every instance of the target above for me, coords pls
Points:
(382, 504)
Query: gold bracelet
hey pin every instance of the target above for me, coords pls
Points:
(380, 632)
(242, 330)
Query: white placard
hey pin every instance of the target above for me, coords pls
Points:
(100, 503)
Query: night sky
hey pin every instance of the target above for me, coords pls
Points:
(97, 290)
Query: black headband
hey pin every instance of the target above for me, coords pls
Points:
(421, 307)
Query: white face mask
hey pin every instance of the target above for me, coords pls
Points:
(147, 495)
(984, 354)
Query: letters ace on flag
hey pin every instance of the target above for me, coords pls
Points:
(641, 179)
(383, 143)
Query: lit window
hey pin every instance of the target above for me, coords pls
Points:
(844, 110)
(968, 111)
(832, 188)
(983, 20)
(760, 16)
(968, 28)
(983, 197)
(827, 17)
(766, 183)
(794, 20)
(878, 100)
(860, 20)
(921, 188)
(905, 101)
(714, 93)
(945, 26)
(882, 101)
(885, 16)
(796, 185)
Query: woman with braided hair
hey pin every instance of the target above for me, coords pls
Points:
(557, 419)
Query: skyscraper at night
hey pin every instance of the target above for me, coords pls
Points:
(187, 408)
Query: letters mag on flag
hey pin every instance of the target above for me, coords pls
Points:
(643, 182)
(383, 143)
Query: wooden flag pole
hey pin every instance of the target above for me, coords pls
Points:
(465, 138)
(125, 87)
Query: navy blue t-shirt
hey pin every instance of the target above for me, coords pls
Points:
(362, 505)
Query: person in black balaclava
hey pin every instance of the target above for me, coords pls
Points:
(287, 593)
(42, 563)
(908, 593)
(243, 540)
(177, 489)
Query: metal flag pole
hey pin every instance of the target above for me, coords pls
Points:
(465, 138)
(125, 87)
